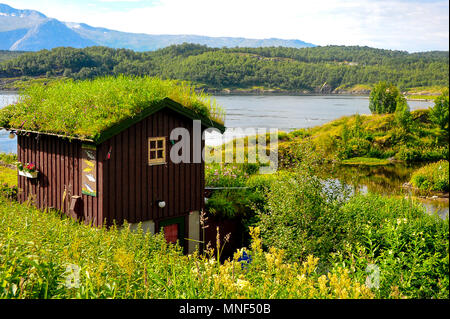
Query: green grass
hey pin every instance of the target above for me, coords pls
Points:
(427, 90)
(87, 108)
(365, 161)
(421, 97)
(8, 176)
(355, 88)
(6, 158)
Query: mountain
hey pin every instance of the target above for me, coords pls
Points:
(50, 34)
(31, 30)
(148, 42)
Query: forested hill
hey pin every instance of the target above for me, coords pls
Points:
(321, 69)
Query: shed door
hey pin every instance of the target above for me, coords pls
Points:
(173, 230)
(171, 233)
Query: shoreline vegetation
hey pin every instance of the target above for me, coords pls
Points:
(414, 94)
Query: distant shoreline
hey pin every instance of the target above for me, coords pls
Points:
(214, 93)
(14, 85)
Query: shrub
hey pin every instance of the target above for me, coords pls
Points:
(439, 113)
(227, 175)
(298, 214)
(409, 247)
(384, 98)
(10, 158)
(403, 116)
(8, 191)
(432, 177)
(357, 147)
(418, 154)
(406, 245)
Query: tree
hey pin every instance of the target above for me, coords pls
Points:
(402, 114)
(384, 98)
(439, 113)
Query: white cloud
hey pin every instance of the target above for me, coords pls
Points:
(395, 24)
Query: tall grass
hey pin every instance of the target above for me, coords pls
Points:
(45, 256)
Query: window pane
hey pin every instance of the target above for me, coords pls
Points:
(152, 154)
(160, 153)
(152, 144)
(160, 144)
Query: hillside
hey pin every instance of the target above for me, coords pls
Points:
(376, 139)
(328, 69)
(8, 55)
(32, 31)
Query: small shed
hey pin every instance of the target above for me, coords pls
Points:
(122, 171)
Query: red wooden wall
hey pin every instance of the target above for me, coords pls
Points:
(127, 187)
(132, 187)
(59, 166)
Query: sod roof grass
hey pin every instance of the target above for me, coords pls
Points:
(86, 109)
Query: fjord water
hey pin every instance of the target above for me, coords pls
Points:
(7, 145)
(287, 113)
(284, 112)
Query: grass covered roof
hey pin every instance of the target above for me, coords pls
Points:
(86, 109)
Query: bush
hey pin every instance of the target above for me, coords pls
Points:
(406, 245)
(10, 158)
(432, 177)
(422, 154)
(298, 214)
(227, 175)
(384, 98)
(439, 113)
(403, 116)
(8, 191)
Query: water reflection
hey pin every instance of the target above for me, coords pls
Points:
(385, 180)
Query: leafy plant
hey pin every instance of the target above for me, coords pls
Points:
(439, 113)
(432, 177)
(384, 98)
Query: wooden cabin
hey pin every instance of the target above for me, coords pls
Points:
(125, 173)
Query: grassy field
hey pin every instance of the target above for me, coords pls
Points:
(365, 161)
(46, 255)
(8, 175)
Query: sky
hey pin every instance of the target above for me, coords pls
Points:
(410, 25)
